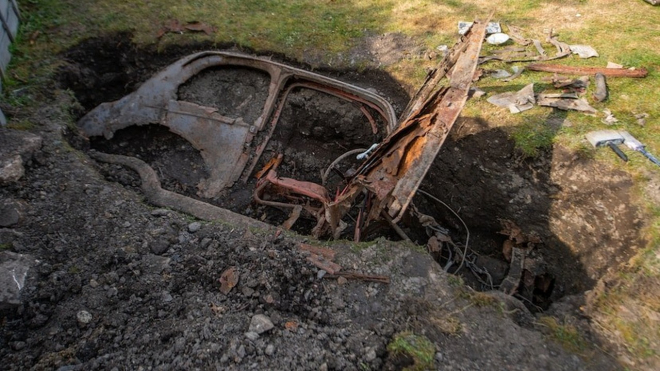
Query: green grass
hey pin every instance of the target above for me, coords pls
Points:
(565, 334)
(417, 347)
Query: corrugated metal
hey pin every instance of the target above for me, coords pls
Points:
(9, 19)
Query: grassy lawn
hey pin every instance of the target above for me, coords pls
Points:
(624, 32)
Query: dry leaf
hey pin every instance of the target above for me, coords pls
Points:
(433, 244)
(291, 325)
(228, 280)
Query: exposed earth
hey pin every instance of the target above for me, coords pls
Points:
(115, 283)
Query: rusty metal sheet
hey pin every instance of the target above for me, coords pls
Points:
(408, 153)
(219, 139)
(308, 189)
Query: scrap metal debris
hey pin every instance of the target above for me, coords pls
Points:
(517, 71)
(565, 102)
(389, 177)
(584, 51)
(492, 27)
(601, 88)
(578, 85)
(524, 268)
(572, 70)
(497, 38)
(500, 74)
(609, 117)
(516, 102)
(322, 257)
(516, 35)
(517, 55)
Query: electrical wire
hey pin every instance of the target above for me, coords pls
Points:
(467, 239)
(324, 175)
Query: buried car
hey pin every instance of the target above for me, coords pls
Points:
(232, 141)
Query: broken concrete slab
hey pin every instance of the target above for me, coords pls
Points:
(516, 102)
(14, 269)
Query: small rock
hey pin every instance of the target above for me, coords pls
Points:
(18, 345)
(205, 242)
(9, 215)
(260, 324)
(160, 212)
(166, 296)
(371, 355)
(84, 317)
(270, 350)
(159, 247)
(438, 357)
(13, 271)
(127, 224)
(320, 274)
(194, 227)
(324, 367)
(247, 291)
(252, 335)
(341, 281)
(241, 352)
(93, 283)
(111, 292)
(11, 170)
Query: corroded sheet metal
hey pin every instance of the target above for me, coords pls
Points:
(395, 170)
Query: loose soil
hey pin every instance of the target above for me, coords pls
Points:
(150, 277)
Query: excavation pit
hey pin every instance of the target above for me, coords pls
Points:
(584, 229)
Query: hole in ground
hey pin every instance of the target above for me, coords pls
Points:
(581, 212)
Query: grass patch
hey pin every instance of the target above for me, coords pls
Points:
(24, 125)
(532, 136)
(565, 334)
(417, 347)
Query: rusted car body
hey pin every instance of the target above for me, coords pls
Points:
(231, 147)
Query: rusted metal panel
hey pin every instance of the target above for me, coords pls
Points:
(571, 70)
(219, 139)
(395, 170)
